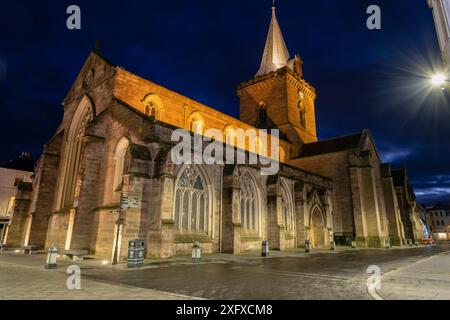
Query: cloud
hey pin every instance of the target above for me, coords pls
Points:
(395, 155)
(391, 153)
(433, 189)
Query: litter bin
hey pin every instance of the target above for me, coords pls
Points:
(136, 253)
(308, 246)
(265, 249)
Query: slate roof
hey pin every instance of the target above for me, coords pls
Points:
(331, 145)
(20, 164)
(441, 206)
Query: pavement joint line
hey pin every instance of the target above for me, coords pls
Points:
(307, 275)
(185, 297)
(389, 273)
(103, 281)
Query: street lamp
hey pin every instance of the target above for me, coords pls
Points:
(439, 80)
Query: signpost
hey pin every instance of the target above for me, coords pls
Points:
(125, 204)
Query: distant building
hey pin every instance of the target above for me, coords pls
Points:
(439, 217)
(441, 14)
(11, 174)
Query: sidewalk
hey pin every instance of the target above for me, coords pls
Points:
(428, 279)
(24, 278)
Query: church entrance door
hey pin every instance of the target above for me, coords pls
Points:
(317, 227)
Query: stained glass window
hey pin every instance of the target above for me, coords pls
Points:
(192, 217)
(248, 200)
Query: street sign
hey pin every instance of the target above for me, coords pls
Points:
(130, 203)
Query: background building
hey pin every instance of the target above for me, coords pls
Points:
(12, 174)
(441, 14)
(439, 216)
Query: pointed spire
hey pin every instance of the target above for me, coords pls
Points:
(276, 54)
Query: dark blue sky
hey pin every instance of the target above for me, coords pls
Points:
(203, 49)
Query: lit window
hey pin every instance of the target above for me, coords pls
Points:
(248, 204)
(196, 123)
(191, 202)
(288, 219)
(119, 159)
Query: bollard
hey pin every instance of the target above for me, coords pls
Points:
(308, 246)
(388, 243)
(196, 252)
(332, 246)
(354, 245)
(51, 258)
(265, 249)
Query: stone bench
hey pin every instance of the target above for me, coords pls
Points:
(4, 246)
(76, 255)
(30, 249)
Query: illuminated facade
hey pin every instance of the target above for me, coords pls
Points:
(115, 140)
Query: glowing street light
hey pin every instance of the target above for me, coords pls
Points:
(439, 80)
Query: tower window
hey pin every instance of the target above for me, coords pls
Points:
(302, 116)
(262, 115)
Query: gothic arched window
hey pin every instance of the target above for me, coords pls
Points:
(119, 159)
(154, 107)
(302, 113)
(191, 202)
(287, 208)
(230, 135)
(196, 123)
(262, 115)
(249, 204)
(84, 114)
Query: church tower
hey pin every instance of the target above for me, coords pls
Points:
(278, 96)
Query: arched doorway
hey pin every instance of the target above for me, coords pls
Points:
(317, 228)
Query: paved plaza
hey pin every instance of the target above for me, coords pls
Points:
(408, 273)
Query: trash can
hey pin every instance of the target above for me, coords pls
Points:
(136, 253)
(196, 252)
(308, 246)
(265, 249)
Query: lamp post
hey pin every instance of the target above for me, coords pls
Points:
(440, 80)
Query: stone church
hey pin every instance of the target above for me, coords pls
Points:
(115, 140)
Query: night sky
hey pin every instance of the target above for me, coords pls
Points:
(204, 49)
